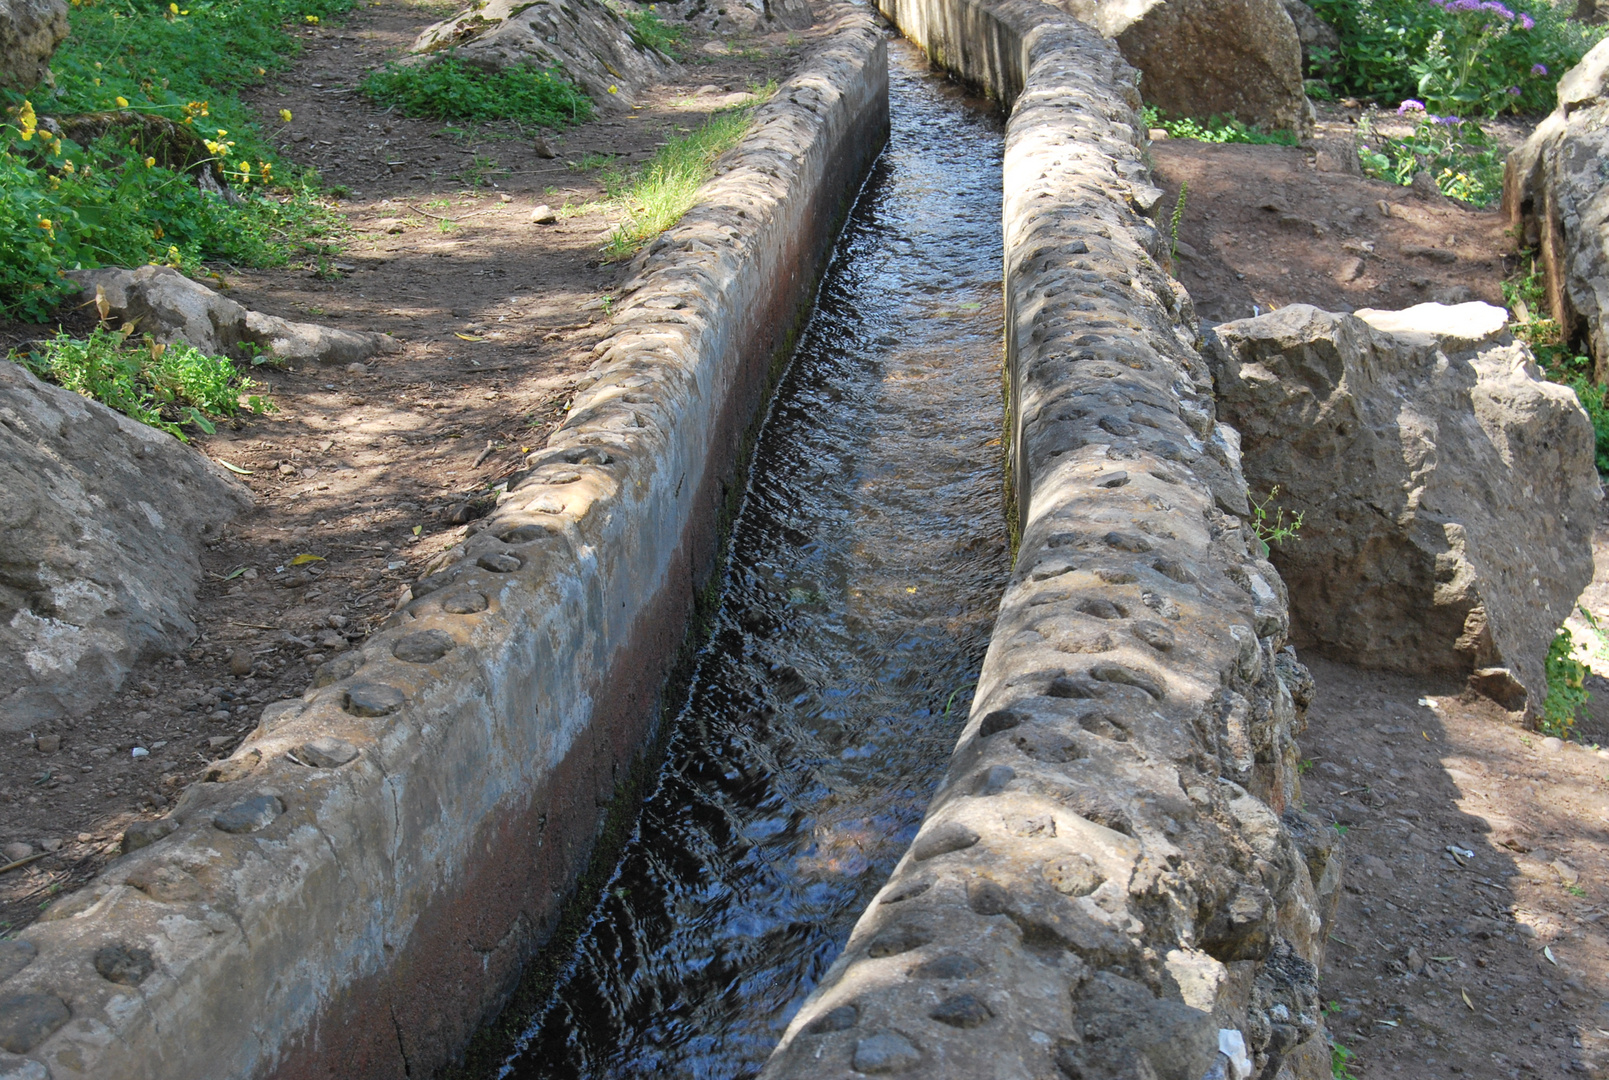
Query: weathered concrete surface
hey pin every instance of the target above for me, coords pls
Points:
(30, 30)
(101, 523)
(1103, 886)
(1240, 58)
(355, 889)
(1448, 491)
(595, 46)
(170, 307)
(1556, 193)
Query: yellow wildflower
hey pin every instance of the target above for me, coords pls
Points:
(150, 163)
(222, 133)
(69, 167)
(122, 102)
(312, 20)
(173, 256)
(285, 115)
(156, 233)
(27, 121)
(173, 9)
(614, 89)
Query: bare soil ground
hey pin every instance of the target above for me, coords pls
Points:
(1267, 226)
(373, 471)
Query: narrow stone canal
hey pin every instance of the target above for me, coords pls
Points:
(865, 571)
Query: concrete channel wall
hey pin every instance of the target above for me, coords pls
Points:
(354, 891)
(1113, 881)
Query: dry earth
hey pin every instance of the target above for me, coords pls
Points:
(373, 471)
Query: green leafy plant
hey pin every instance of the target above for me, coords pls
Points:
(650, 30)
(1466, 57)
(1341, 1060)
(1464, 161)
(657, 194)
(449, 89)
(1567, 692)
(165, 386)
(1273, 528)
(1215, 129)
(103, 167)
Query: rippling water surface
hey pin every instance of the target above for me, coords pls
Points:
(865, 572)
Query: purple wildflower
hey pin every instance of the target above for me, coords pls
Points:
(1526, 22)
(1449, 121)
(1497, 8)
(1514, 90)
(1539, 69)
(1410, 106)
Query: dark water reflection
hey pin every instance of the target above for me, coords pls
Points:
(865, 573)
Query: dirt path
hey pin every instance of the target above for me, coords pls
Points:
(371, 470)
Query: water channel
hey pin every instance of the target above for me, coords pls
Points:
(865, 571)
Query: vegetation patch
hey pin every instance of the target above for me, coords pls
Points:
(165, 386)
(103, 169)
(650, 30)
(449, 89)
(656, 195)
(1465, 162)
(1214, 129)
(1460, 57)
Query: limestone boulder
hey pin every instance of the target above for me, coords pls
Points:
(101, 525)
(30, 30)
(170, 307)
(1448, 492)
(1240, 58)
(1556, 192)
(1320, 42)
(597, 49)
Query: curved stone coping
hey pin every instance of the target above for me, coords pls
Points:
(1103, 886)
(355, 888)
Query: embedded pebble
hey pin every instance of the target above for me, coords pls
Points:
(464, 603)
(952, 836)
(26, 1020)
(14, 956)
(250, 815)
(499, 562)
(16, 850)
(885, 1052)
(47, 744)
(372, 699)
(145, 833)
(327, 752)
(423, 647)
(124, 964)
(962, 1011)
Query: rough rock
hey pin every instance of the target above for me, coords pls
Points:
(1239, 58)
(1556, 192)
(30, 30)
(101, 524)
(1313, 32)
(595, 46)
(170, 307)
(1448, 492)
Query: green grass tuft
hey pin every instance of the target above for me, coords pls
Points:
(1215, 129)
(656, 195)
(449, 89)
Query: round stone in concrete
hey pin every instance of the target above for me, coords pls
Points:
(962, 1011)
(372, 699)
(885, 1052)
(250, 815)
(842, 1018)
(951, 836)
(21, 1068)
(26, 1020)
(124, 964)
(500, 562)
(326, 752)
(14, 956)
(464, 603)
(145, 833)
(423, 647)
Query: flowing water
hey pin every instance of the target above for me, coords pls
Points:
(865, 571)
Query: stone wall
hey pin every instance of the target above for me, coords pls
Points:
(354, 891)
(1108, 883)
